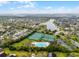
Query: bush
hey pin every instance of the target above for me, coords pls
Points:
(50, 48)
(12, 48)
(58, 48)
(76, 50)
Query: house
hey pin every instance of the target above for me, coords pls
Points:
(20, 34)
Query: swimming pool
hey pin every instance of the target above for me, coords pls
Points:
(40, 44)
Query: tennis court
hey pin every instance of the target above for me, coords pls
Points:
(42, 36)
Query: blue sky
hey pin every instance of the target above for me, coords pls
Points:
(41, 7)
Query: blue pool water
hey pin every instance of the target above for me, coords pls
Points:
(40, 44)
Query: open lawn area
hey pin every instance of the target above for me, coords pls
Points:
(18, 53)
(25, 53)
(25, 42)
(61, 54)
(72, 54)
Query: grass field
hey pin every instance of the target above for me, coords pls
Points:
(24, 42)
(25, 53)
(18, 53)
(60, 54)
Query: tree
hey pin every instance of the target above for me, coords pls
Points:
(57, 36)
(50, 48)
(56, 47)
(74, 37)
(12, 48)
(76, 50)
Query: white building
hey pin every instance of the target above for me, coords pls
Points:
(50, 25)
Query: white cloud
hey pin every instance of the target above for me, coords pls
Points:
(48, 7)
(12, 8)
(44, 10)
(3, 2)
(61, 10)
(27, 4)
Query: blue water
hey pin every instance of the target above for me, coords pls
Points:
(40, 44)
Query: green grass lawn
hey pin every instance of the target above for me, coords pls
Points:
(75, 54)
(60, 54)
(38, 54)
(25, 53)
(22, 43)
(42, 54)
(18, 53)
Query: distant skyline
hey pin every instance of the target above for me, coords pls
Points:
(38, 7)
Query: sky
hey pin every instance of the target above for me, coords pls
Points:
(38, 7)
